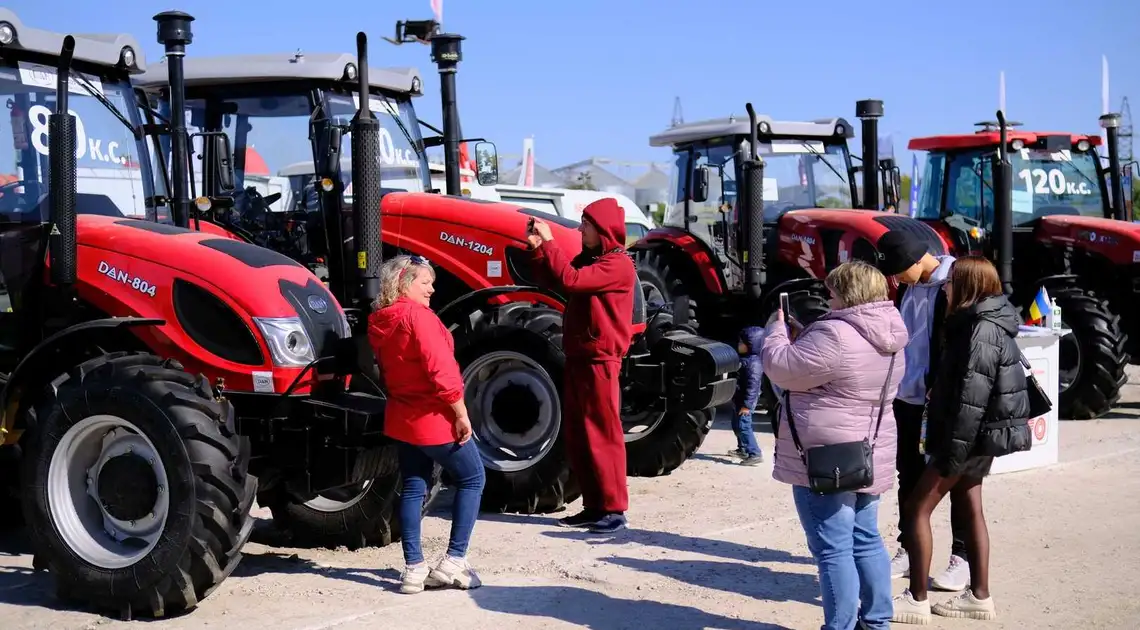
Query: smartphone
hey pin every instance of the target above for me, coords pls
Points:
(786, 306)
(530, 226)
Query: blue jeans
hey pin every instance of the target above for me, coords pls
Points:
(745, 439)
(854, 568)
(463, 463)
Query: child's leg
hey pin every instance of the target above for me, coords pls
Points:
(736, 430)
(746, 437)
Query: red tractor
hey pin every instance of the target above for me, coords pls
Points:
(1064, 230)
(507, 331)
(722, 256)
(151, 373)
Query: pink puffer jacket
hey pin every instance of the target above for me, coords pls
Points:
(835, 372)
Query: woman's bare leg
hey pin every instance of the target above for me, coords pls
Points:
(927, 495)
(969, 493)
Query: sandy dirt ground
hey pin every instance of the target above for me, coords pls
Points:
(711, 546)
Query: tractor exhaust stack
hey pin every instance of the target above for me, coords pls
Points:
(1111, 125)
(61, 147)
(1002, 237)
(869, 111)
(174, 34)
(752, 214)
(366, 191)
(447, 52)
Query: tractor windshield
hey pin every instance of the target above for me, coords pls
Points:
(797, 174)
(403, 163)
(1044, 183)
(111, 179)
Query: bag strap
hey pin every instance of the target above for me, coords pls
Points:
(883, 398)
(878, 423)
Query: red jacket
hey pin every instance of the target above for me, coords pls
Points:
(599, 286)
(417, 360)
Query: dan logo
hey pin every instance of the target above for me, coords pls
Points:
(318, 304)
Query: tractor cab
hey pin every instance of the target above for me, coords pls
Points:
(1057, 185)
(806, 165)
(277, 113)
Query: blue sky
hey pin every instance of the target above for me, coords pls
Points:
(594, 77)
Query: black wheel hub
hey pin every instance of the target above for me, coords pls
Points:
(515, 408)
(128, 488)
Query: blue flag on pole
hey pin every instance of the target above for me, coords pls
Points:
(914, 188)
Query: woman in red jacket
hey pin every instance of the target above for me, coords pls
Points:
(426, 416)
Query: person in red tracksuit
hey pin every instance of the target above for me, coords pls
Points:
(597, 330)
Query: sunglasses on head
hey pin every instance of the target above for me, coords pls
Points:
(417, 261)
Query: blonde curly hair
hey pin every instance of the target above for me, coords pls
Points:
(394, 282)
(856, 283)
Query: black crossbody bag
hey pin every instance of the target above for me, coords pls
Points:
(1039, 403)
(842, 467)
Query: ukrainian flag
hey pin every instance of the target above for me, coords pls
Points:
(1039, 307)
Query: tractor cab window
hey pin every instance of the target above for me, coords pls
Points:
(702, 217)
(267, 134)
(802, 174)
(110, 171)
(928, 206)
(970, 193)
(403, 163)
(1044, 183)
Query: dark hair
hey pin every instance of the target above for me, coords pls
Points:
(973, 279)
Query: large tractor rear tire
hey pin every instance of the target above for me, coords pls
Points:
(136, 490)
(512, 364)
(663, 282)
(356, 516)
(1092, 359)
(664, 443)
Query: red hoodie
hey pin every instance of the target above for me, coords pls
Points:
(416, 354)
(599, 286)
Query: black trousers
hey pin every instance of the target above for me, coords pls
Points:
(910, 464)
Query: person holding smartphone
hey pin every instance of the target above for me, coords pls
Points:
(597, 331)
(839, 375)
(426, 416)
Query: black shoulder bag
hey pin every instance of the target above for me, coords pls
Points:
(842, 467)
(1039, 403)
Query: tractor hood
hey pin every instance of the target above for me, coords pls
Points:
(1117, 241)
(254, 278)
(504, 220)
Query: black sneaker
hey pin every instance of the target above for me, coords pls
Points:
(609, 524)
(753, 460)
(585, 518)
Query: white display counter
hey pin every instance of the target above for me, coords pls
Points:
(1040, 346)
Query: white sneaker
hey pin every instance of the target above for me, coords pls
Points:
(907, 610)
(900, 564)
(966, 606)
(956, 577)
(454, 572)
(412, 581)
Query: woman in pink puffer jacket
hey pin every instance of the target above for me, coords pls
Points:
(834, 373)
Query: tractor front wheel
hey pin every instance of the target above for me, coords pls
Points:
(1092, 358)
(136, 490)
(657, 443)
(662, 282)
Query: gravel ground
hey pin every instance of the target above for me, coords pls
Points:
(712, 546)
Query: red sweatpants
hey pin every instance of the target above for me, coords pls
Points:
(595, 440)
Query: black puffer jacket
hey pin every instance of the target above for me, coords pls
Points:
(979, 404)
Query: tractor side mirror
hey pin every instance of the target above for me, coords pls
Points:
(219, 144)
(333, 136)
(487, 163)
(700, 184)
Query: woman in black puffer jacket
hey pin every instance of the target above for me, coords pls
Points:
(978, 410)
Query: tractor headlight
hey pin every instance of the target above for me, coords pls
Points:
(288, 342)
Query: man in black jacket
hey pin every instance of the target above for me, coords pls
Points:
(922, 303)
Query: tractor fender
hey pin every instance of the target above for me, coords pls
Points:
(695, 250)
(461, 303)
(768, 303)
(41, 362)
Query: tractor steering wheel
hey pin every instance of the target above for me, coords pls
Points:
(252, 208)
(9, 200)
